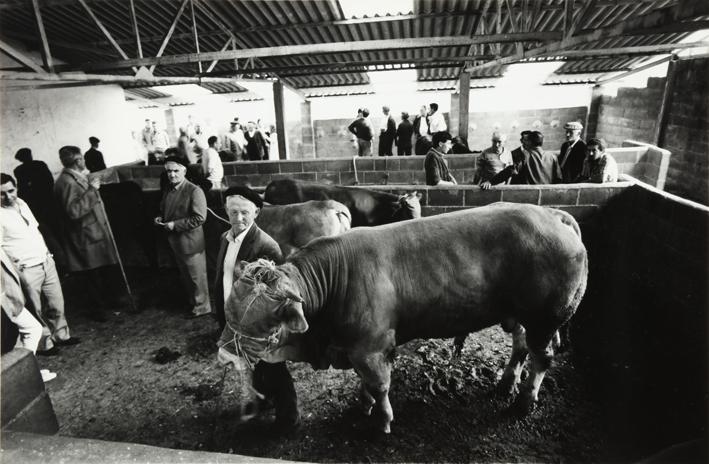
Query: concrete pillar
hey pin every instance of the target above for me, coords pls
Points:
(594, 108)
(170, 126)
(463, 105)
(454, 114)
(307, 131)
(279, 106)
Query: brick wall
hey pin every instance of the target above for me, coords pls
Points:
(643, 321)
(636, 160)
(631, 114)
(549, 121)
(687, 131)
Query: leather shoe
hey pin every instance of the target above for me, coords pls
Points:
(53, 351)
(68, 342)
(196, 316)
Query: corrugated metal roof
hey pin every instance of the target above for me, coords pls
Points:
(75, 39)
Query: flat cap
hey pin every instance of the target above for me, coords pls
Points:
(177, 159)
(573, 125)
(245, 192)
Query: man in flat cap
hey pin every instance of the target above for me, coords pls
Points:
(572, 152)
(184, 210)
(245, 242)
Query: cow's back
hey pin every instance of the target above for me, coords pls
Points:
(458, 272)
(367, 207)
(293, 226)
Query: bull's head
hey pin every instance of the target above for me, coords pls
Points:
(408, 207)
(264, 306)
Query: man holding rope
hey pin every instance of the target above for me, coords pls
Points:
(87, 239)
(245, 242)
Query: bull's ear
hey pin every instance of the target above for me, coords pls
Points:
(292, 315)
(418, 195)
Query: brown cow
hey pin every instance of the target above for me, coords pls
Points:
(293, 226)
(347, 301)
(368, 207)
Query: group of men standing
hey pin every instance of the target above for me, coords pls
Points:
(425, 125)
(577, 161)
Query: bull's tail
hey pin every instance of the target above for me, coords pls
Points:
(567, 219)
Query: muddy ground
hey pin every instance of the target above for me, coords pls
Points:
(111, 387)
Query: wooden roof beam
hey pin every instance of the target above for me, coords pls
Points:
(20, 57)
(658, 18)
(105, 31)
(330, 47)
(46, 53)
(169, 33)
(136, 32)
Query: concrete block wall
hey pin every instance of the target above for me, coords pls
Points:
(549, 121)
(580, 200)
(643, 321)
(637, 160)
(26, 406)
(687, 131)
(631, 114)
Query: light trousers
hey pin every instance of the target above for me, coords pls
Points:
(193, 270)
(45, 298)
(29, 328)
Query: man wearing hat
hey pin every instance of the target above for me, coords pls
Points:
(93, 157)
(234, 140)
(184, 210)
(572, 152)
(246, 242)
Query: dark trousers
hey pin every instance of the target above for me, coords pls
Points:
(403, 151)
(385, 145)
(276, 384)
(104, 286)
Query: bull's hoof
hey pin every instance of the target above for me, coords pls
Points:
(506, 387)
(386, 429)
(523, 406)
(367, 409)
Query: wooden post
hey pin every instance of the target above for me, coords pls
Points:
(307, 133)
(279, 107)
(463, 105)
(661, 125)
(594, 108)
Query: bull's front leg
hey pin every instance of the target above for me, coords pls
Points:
(374, 368)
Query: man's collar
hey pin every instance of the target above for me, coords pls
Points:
(240, 237)
(178, 186)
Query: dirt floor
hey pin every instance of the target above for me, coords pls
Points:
(112, 387)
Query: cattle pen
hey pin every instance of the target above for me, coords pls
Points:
(152, 378)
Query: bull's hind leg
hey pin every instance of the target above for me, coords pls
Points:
(539, 343)
(513, 371)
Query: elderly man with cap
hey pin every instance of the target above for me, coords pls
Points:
(493, 159)
(572, 152)
(88, 244)
(184, 210)
(246, 242)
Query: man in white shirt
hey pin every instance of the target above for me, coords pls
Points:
(436, 122)
(246, 242)
(24, 245)
(212, 164)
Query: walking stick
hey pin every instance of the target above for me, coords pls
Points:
(118, 256)
(354, 165)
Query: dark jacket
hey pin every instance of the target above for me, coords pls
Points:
(572, 165)
(532, 168)
(255, 146)
(187, 208)
(404, 133)
(436, 168)
(87, 235)
(257, 244)
(35, 185)
(361, 128)
(94, 160)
